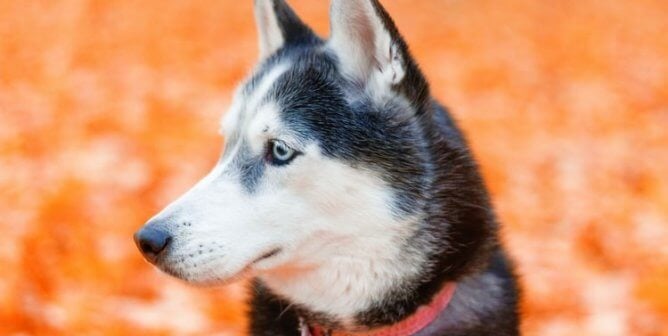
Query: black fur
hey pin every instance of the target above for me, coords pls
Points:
(294, 31)
(271, 316)
(422, 155)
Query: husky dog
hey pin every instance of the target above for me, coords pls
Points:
(345, 190)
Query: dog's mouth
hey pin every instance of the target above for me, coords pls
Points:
(267, 255)
(191, 278)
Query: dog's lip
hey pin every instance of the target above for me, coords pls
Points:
(247, 269)
(267, 255)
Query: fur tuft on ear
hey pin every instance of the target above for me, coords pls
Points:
(371, 51)
(278, 25)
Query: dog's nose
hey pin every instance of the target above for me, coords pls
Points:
(152, 241)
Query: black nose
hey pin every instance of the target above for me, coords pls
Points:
(151, 242)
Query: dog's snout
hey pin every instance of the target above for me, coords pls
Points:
(152, 241)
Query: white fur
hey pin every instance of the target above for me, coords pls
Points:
(263, 126)
(353, 250)
(269, 33)
(231, 118)
(260, 91)
(365, 47)
(341, 245)
(246, 104)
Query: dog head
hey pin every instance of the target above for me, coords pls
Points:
(326, 171)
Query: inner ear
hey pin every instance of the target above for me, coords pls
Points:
(366, 41)
(278, 25)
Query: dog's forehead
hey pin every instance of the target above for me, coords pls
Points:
(283, 94)
(251, 98)
(306, 100)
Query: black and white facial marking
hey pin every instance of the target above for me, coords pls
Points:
(327, 186)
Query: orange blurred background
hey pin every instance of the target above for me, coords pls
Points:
(110, 109)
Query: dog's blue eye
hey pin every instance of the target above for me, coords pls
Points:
(279, 153)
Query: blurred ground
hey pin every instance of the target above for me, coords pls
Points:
(109, 109)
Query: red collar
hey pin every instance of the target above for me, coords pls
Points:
(414, 323)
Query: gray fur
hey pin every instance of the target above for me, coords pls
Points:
(422, 155)
(412, 144)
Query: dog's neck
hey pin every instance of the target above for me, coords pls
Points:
(423, 317)
(349, 283)
(479, 295)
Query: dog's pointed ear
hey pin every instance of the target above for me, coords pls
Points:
(278, 25)
(370, 49)
(365, 38)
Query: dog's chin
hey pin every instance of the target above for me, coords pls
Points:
(209, 280)
(222, 275)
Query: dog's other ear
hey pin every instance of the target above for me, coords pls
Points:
(278, 25)
(371, 50)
